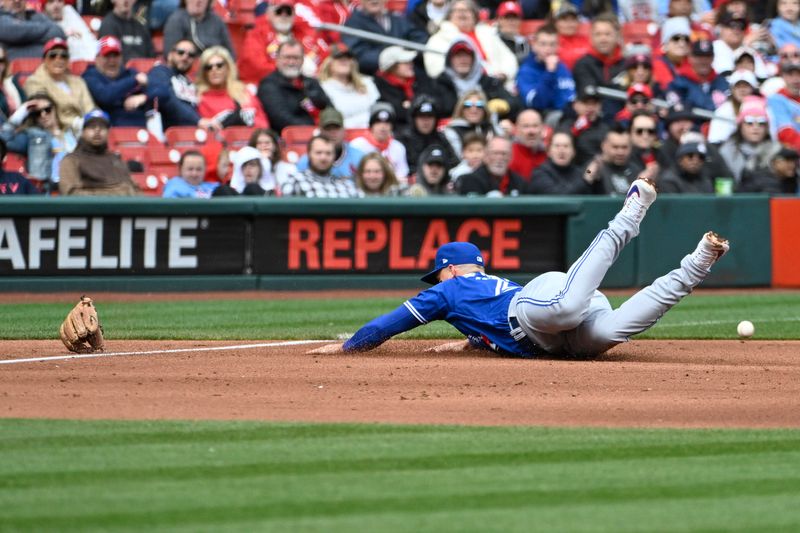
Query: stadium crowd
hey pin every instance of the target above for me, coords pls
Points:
(202, 98)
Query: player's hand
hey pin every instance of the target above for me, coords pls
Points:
(326, 350)
(458, 346)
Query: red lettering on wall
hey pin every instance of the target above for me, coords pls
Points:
(502, 243)
(370, 237)
(435, 236)
(397, 261)
(333, 243)
(478, 226)
(303, 240)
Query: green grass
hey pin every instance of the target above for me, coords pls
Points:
(700, 316)
(247, 476)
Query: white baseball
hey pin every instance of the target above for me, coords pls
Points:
(745, 329)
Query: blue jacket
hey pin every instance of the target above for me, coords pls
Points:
(110, 94)
(174, 110)
(344, 167)
(543, 90)
(178, 187)
(784, 32)
(367, 52)
(693, 93)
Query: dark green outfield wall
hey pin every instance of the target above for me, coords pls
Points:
(671, 229)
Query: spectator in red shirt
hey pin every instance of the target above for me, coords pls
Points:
(222, 97)
(675, 46)
(572, 45)
(528, 150)
(257, 56)
(312, 12)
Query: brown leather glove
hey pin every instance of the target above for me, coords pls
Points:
(81, 331)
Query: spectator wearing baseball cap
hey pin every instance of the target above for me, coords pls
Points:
(91, 170)
(675, 48)
(346, 156)
(544, 81)
(398, 81)
(582, 120)
(640, 96)
(121, 92)
(349, 92)
(421, 132)
(743, 83)
(508, 25)
(604, 63)
(121, 22)
(433, 178)
(750, 148)
(257, 54)
(52, 76)
(24, 32)
(689, 175)
(81, 39)
(379, 138)
(572, 43)
(463, 21)
(699, 86)
(463, 73)
(781, 177)
(731, 43)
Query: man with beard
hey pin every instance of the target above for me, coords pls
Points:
(422, 133)
(493, 177)
(259, 51)
(91, 170)
(176, 93)
(288, 97)
(345, 157)
(317, 181)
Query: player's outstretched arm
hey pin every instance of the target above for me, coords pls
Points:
(379, 330)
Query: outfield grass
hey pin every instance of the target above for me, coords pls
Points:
(248, 476)
(706, 316)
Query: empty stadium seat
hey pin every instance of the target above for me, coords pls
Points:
(142, 64)
(15, 163)
(528, 27)
(93, 22)
(186, 136)
(641, 31)
(149, 183)
(24, 66)
(355, 133)
(294, 135)
(237, 136)
(79, 66)
(131, 136)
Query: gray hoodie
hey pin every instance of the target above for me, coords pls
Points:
(25, 36)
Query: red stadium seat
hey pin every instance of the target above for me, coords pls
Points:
(24, 66)
(79, 66)
(165, 155)
(186, 136)
(355, 133)
(396, 6)
(93, 22)
(641, 31)
(131, 136)
(142, 64)
(237, 136)
(132, 153)
(149, 183)
(15, 163)
(528, 27)
(158, 44)
(298, 134)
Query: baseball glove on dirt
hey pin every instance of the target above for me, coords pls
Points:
(81, 331)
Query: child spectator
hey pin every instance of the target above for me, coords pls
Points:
(473, 148)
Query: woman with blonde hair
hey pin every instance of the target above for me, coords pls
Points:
(375, 176)
(222, 97)
(350, 92)
(469, 116)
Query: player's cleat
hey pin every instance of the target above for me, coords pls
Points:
(641, 194)
(709, 250)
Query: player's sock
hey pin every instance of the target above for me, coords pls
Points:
(709, 250)
(641, 194)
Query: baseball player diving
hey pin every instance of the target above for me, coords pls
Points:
(556, 313)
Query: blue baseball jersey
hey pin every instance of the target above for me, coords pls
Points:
(476, 304)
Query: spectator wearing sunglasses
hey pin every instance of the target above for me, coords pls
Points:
(690, 175)
(750, 148)
(54, 78)
(731, 43)
(260, 48)
(34, 127)
(743, 84)
(224, 99)
(121, 92)
(640, 98)
(24, 32)
(123, 24)
(675, 48)
(645, 142)
(197, 22)
(469, 116)
(176, 92)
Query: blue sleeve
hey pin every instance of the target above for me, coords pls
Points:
(179, 112)
(430, 304)
(107, 93)
(302, 163)
(566, 87)
(381, 329)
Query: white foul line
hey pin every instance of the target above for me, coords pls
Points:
(153, 352)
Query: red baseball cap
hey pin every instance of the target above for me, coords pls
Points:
(109, 45)
(509, 8)
(56, 42)
(640, 88)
